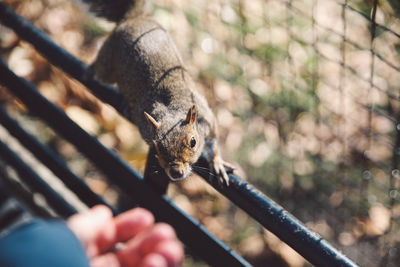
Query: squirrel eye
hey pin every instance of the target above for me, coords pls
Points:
(192, 142)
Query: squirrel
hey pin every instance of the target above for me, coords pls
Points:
(141, 58)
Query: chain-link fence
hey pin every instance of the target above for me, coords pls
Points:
(307, 97)
(333, 67)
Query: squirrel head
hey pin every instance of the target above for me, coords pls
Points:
(178, 147)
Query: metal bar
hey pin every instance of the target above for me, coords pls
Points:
(277, 220)
(154, 174)
(23, 194)
(52, 161)
(383, 27)
(256, 204)
(59, 57)
(27, 175)
(190, 231)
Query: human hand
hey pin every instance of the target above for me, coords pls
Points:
(146, 244)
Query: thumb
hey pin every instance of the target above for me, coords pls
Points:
(87, 226)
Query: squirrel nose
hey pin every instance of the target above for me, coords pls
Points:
(176, 173)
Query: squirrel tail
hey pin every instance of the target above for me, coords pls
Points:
(116, 10)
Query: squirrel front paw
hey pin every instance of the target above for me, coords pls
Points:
(221, 169)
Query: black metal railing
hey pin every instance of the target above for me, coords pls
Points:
(269, 214)
(121, 174)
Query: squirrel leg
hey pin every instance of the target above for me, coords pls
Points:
(221, 168)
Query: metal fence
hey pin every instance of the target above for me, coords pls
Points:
(351, 76)
(355, 78)
(199, 240)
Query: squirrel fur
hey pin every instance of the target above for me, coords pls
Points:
(141, 58)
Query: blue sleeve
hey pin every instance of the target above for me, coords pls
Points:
(42, 243)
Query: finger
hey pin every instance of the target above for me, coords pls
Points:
(105, 260)
(144, 244)
(132, 222)
(124, 227)
(160, 232)
(154, 260)
(88, 225)
(171, 250)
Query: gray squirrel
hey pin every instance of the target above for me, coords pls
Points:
(141, 58)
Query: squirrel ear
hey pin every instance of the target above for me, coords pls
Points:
(191, 115)
(152, 121)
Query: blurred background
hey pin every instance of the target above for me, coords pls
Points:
(306, 93)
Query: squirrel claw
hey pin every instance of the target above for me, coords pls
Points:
(229, 167)
(221, 172)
